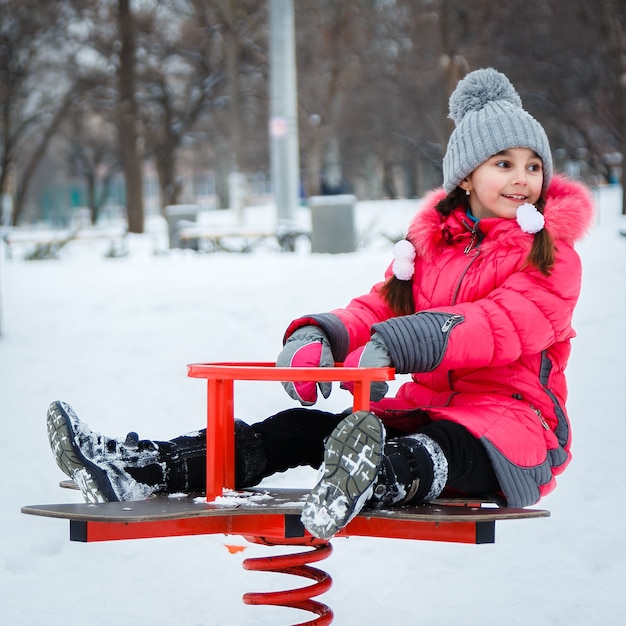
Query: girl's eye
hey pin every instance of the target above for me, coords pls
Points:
(501, 164)
(535, 167)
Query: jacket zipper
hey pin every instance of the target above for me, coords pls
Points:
(468, 249)
(518, 396)
(446, 327)
(473, 247)
(450, 323)
(540, 416)
(471, 243)
(475, 236)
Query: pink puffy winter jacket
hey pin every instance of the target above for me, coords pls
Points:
(502, 375)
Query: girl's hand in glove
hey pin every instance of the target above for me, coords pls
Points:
(373, 354)
(306, 347)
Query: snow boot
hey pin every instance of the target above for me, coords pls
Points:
(97, 464)
(107, 469)
(352, 460)
(414, 470)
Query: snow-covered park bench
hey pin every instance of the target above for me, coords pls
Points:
(230, 230)
(272, 516)
(235, 238)
(45, 243)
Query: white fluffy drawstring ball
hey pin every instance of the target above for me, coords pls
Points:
(403, 260)
(529, 218)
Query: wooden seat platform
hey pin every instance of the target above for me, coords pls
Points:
(275, 514)
(271, 513)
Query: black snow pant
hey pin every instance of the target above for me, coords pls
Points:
(296, 437)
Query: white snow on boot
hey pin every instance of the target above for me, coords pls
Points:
(352, 459)
(95, 463)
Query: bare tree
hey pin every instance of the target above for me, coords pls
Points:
(128, 119)
(417, 51)
(181, 76)
(614, 14)
(373, 83)
(329, 36)
(195, 79)
(237, 124)
(395, 115)
(566, 86)
(92, 148)
(35, 89)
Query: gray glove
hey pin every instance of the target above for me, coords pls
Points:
(306, 347)
(373, 354)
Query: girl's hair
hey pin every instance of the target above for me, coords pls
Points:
(541, 254)
(399, 293)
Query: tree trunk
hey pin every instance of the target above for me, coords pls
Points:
(623, 108)
(233, 54)
(313, 157)
(452, 62)
(127, 121)
(31, 166)
(614, 21)
(233, 121)
(169, 187)
(622, 120)
(90, 180)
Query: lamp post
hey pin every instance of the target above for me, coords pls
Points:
(283, 123)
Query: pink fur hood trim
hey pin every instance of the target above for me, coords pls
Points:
(569, 215)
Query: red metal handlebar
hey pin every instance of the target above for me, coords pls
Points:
(220, 407)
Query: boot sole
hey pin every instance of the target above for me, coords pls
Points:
(91, 480)
(352, 459)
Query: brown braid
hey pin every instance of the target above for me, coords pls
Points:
(541, 254)
(399, 295)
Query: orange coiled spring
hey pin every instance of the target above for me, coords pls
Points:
(295, 564)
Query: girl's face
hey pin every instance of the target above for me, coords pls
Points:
(504, 182)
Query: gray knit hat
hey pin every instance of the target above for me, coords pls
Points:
(489, 118)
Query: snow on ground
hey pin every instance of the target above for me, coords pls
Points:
(113, 336)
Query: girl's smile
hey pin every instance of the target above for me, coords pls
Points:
(503, 182)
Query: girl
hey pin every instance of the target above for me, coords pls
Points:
(477, 306)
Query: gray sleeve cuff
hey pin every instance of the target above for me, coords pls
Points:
(332, 327)
(417, 343)
(335, 331)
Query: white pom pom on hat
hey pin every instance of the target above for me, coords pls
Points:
(489, 118)
(477, 89)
